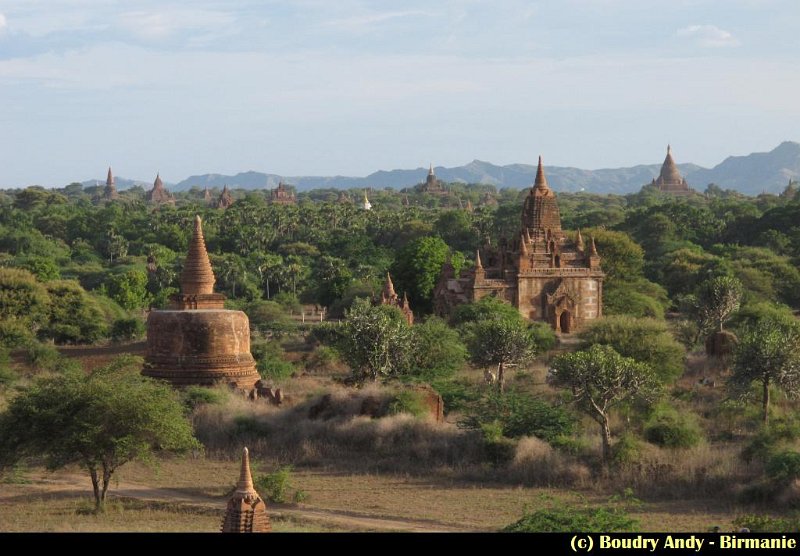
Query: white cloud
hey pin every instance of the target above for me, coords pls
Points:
(160, 24)
(366, 20)
(708, 36)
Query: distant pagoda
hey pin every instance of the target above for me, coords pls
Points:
(390, 297)
(246, 511)
(159, 194)
(225, 199)
(110, 192)
(432, 185)
(196, 340)
(670, 179)
(282, 195)
(366, 205)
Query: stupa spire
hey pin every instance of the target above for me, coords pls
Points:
(110, 178)
(478, 263)
(246, 511)
(245, 484)
(579, 241)
(388, 288)
(593, 249)
(197, 276)
(540, 182)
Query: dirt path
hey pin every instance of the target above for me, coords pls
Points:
(332, 519)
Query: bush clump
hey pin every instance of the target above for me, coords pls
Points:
(565, 519)
(670, 429)
(277, 486)
(127, 329)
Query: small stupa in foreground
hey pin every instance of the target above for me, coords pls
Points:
(246, 511)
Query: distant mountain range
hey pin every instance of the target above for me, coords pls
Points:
(751, 174)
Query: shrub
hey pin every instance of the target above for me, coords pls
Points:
(275, 369)
(437, 349)
(276, 486)
(645, 340)
(627, 450)
(543, 336)
(7, 374)
(14, 334)
(784, 466)
(198, 395)
(766, 524)
(408, 401)
(668, 428)
(565, 519)
(519, 415)
(42, 357)
(269, 317)
(269, 360)
(126, 329)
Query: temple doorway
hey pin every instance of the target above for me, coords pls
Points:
(565, 321)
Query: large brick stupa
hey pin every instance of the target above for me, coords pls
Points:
(196, 340)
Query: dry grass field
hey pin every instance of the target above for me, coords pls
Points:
(396, 473)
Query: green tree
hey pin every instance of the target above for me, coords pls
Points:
(100, 421)
(645, 340)
(769, 353)
(717, 300)
(417, 269)
(375, 341)
(484, 309)
(332, 278)
(600, 379)
(22, 298)
(129, 289)
(501, 343)
(74, 316)
(438, 351)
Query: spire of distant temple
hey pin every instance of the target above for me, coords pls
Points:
(366, 205)
(158, 184)
(225, 199)
(478, 263)
(197, 276)
(246, 511)
(593, 249)
(469, 206)
(540, 183)
(110, 191)
(388, 288)
(579, 241)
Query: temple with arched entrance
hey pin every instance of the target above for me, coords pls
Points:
(548, 274)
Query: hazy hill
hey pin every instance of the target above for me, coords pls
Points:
(754, 173)
(749, 174)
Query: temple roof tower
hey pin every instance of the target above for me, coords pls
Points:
(390, 297)
(246, 511)
(670, 179)
(196, 340)
(110, 192)
(540, 211)
(282, 195)
(207, 196)
(159, 194)
(225, 199)
(366, 205)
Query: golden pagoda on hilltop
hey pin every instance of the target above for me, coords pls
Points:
(196, 340)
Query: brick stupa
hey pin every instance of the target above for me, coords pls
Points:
(196, 340)
(246, 511)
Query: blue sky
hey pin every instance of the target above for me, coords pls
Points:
(320, 87)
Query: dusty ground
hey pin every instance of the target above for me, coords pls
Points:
(186, 495)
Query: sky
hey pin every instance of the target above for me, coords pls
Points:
(348, 87)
